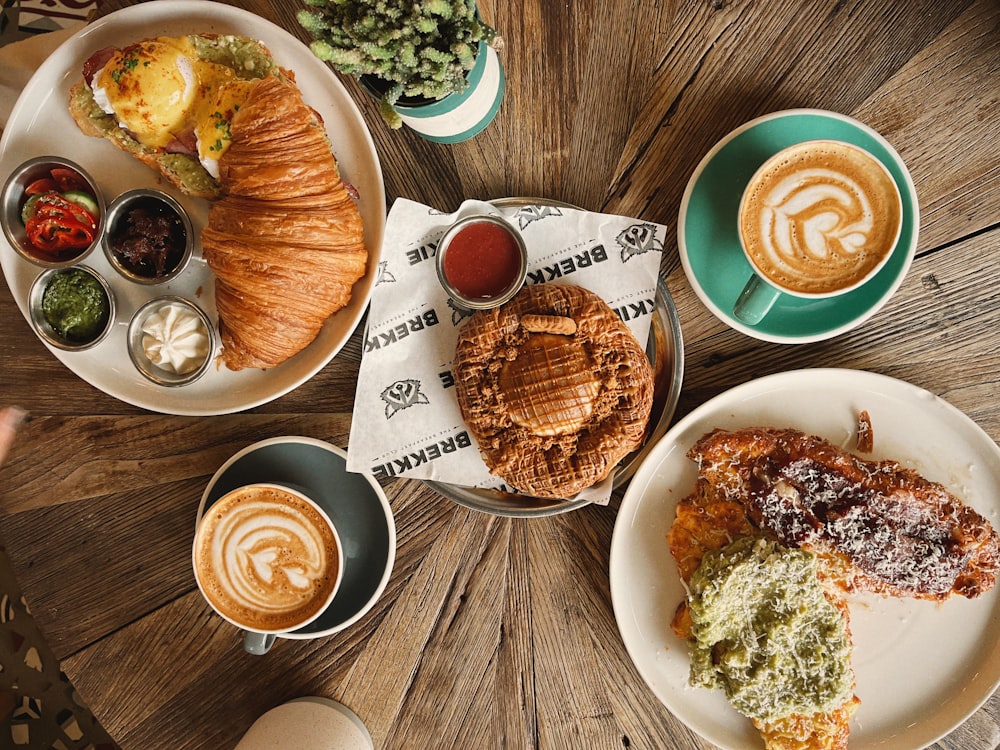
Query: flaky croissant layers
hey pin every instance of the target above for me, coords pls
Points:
(286, 239)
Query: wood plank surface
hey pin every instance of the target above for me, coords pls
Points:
(497, 632)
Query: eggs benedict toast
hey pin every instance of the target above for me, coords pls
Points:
(169, 101)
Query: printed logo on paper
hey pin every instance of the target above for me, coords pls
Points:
(530, 214)
(384, 274)
(458, 313)
(575, 260)
(402, 395)
(390, 335)
(416, 457)
(638, 239)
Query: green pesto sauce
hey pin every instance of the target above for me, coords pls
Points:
(75, 305)
(765, 633)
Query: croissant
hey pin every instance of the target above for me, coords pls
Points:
(286, 239)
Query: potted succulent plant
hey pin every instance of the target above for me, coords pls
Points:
(432, 63)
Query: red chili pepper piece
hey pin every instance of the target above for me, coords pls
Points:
(54, 204)
(43, 185)
(59, 226)
(58, 236)
(68, 179)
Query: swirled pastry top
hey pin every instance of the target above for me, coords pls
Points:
(555, 388)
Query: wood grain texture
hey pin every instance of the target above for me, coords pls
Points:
(496, 632)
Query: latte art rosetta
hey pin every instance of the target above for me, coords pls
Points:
(820, 218)
(817, 216)
(266, 559)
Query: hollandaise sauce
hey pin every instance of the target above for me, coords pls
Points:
(150, 87)
(168, 97)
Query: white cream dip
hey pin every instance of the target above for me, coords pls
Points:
(175, 339)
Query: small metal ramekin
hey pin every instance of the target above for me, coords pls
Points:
(117, 212)
(13, 199)
(476, 303)
(45, 330)
(152, 371)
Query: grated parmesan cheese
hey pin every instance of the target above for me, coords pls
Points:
(765, 632)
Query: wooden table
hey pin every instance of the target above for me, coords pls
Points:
(497, 632)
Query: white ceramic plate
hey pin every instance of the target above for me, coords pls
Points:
(922, 667)
(41, 125)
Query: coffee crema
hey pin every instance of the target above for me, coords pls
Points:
(820, 217)
(266, 559)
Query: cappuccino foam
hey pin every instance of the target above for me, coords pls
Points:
(266, 559)
(820, 217)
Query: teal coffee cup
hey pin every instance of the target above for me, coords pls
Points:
(817, 220)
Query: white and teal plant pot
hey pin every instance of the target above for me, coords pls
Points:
(455, 117)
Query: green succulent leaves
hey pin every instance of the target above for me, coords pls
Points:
(423, 48)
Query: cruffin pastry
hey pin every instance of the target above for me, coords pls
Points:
(555, 388)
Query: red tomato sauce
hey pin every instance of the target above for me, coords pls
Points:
(482, 260)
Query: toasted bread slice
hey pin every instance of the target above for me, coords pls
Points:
(183, 171)
(707, 521)
(824, 731)
(879, 526)
(247, 57)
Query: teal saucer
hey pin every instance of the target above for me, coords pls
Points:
(710, 246)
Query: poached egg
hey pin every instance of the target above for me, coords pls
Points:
(168, 99)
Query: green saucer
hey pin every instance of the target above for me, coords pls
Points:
(709, 243)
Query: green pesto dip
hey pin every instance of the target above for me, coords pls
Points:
(76, 306)
(765, 633)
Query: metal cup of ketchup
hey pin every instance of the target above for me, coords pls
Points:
(482, 261)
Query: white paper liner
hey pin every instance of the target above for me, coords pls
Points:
(407, 422)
